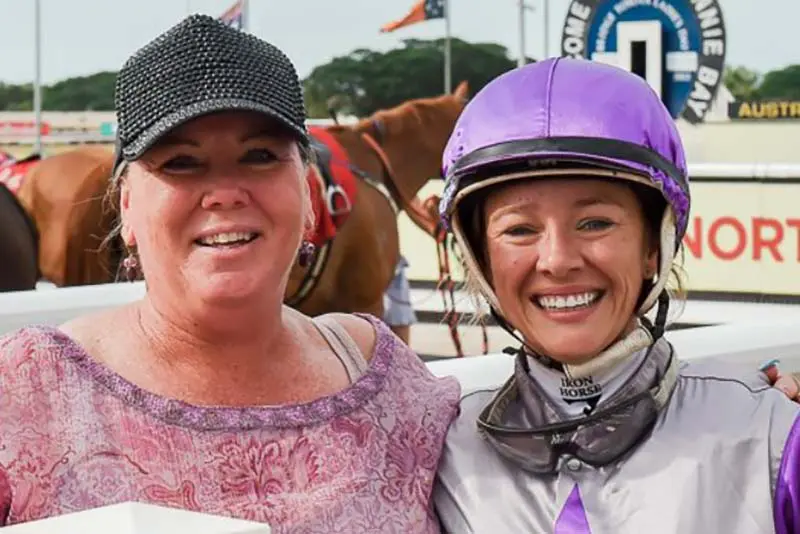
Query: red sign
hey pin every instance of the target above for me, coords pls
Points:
(22, 128)
(730, 238)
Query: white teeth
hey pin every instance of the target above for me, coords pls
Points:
(227, 238)
(566, 302)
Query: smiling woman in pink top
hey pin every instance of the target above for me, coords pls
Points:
(209, 394)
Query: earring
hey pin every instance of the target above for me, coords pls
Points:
(130, 264)
(307, 250)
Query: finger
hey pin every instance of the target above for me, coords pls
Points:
(770, 368)
(788, 384)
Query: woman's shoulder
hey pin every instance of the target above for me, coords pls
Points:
(44, 344)
(383, 349)
(730, 400)
(31, 356)
(718, 373)
(363, 329)
(29, 340)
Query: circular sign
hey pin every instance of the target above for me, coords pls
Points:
(692, 45)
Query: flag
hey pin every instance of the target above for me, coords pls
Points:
(422, 11)
(233, 15)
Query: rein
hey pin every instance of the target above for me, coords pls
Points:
(412, 206)
(424, 215)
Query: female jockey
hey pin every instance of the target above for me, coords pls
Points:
(568, 193)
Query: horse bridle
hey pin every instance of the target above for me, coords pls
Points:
(412, 206)
(387, 187)
(379, 128)
(320, 258)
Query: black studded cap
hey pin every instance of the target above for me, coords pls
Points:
(197, 67)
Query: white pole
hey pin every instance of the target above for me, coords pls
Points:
(448, 82)
(37, 81)
(521, 14)
(546, 16)
(245, 15)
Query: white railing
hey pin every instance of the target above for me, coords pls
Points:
(744, 171)
(743, 333)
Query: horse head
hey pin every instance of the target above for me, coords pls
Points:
(414, 134)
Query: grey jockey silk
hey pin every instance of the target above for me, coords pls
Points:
(722, 456)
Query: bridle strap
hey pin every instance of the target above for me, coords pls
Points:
(413, 207)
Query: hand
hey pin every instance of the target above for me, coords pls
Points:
(788, 384)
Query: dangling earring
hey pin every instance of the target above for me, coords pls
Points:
(307, 250)
(130, 264)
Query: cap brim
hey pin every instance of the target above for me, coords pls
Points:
(134, 150)
(571, 172)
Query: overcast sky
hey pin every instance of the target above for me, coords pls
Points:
(85, 36)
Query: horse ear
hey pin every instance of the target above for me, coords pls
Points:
(462, 91)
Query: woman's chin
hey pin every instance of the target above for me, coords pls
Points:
(227, 289)
(572, 350)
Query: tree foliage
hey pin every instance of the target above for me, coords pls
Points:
(365, 80)
(781, 84)
(87, 93)
(84, 93)
(741, 82)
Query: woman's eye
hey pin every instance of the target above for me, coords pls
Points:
(595, 224)
(258, 155)
(519, 231)
(181, 163)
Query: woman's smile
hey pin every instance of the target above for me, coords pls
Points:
(568, 307)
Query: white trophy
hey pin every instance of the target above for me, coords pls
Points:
(138, 518)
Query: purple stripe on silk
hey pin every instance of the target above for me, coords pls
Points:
(787, 490)
(573, 516)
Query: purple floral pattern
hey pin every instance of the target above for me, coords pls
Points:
(74, 435)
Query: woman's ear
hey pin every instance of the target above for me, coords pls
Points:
(126, 231)
(309, 221)
(652, 246)
(651, 264)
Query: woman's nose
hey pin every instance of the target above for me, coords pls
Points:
(224, 196)
(559, 253)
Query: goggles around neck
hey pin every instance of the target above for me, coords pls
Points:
(524, 426)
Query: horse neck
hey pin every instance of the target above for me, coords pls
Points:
(415, 152)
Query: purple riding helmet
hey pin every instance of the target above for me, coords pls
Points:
(569, 117)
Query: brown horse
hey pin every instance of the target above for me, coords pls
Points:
(64, 195)
(393, 153)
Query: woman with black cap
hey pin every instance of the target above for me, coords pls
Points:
(209, 394)
(567, 191)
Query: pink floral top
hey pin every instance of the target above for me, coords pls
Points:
(75, 435)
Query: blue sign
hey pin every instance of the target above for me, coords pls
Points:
(108, 129)
(687, 35)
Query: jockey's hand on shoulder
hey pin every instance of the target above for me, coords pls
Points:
(789, 384)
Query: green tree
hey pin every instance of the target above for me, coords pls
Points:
(781, 84)
(365, 80)
(94, 92)
(16, 97)
(84, 93)
(742, 82)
